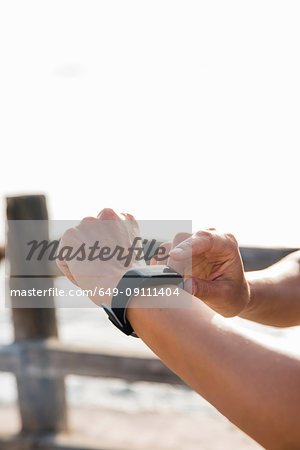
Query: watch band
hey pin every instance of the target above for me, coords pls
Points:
(145, 277)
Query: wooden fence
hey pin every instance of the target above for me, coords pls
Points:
(40, 361)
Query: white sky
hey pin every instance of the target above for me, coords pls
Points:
(165, 109)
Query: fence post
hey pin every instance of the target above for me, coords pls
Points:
(42, 400)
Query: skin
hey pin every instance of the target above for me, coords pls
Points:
(275, 293)
(270, 296)
(257, 388)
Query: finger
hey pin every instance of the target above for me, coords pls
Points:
(162, 253)
(129, 217)
(108, 214)
(131, 224)
(202, 289)
(198, 243)
(180, 266)
(180, 237)
(89, 218)
(217, 295)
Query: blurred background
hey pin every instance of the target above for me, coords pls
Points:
(164, 109)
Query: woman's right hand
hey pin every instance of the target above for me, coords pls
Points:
(213, 269)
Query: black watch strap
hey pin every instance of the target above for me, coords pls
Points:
(146, 277)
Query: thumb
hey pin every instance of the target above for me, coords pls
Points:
(202, 289)
(198, 243)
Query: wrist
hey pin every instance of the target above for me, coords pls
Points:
(165, 296)
(157, 324)
(251, 296)
(258, 283)
(143, 311)
(148, 286)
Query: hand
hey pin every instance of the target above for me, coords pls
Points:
(216, 275)
(115, 235)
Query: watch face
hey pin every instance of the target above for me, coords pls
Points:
(151, 276)
(153, 271)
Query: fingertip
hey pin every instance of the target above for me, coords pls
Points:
(177, 253)
(108, 214)
(89, 218)
(129, 217)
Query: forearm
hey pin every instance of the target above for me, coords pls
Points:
(275, 293)
(256, 388)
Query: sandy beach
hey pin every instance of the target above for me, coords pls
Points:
(144, 431)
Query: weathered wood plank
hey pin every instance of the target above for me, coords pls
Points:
(15, 442)
(10, 358)
(50, 358)
(42, 400)
(2, 252)
(29, 322)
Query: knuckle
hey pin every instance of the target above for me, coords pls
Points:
(108, 213)
(180, 237)
(108, 210)
(166, 245)
(131, 217)
(231, 238)
(205, 234)
(88, 219)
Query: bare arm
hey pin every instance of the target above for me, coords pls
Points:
(270, 296)
(256, 388)
(275, 293)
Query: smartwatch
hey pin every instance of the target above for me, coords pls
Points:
(144, 277)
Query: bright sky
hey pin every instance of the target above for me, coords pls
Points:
(165, 109)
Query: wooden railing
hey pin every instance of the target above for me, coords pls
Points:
(40, 361)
